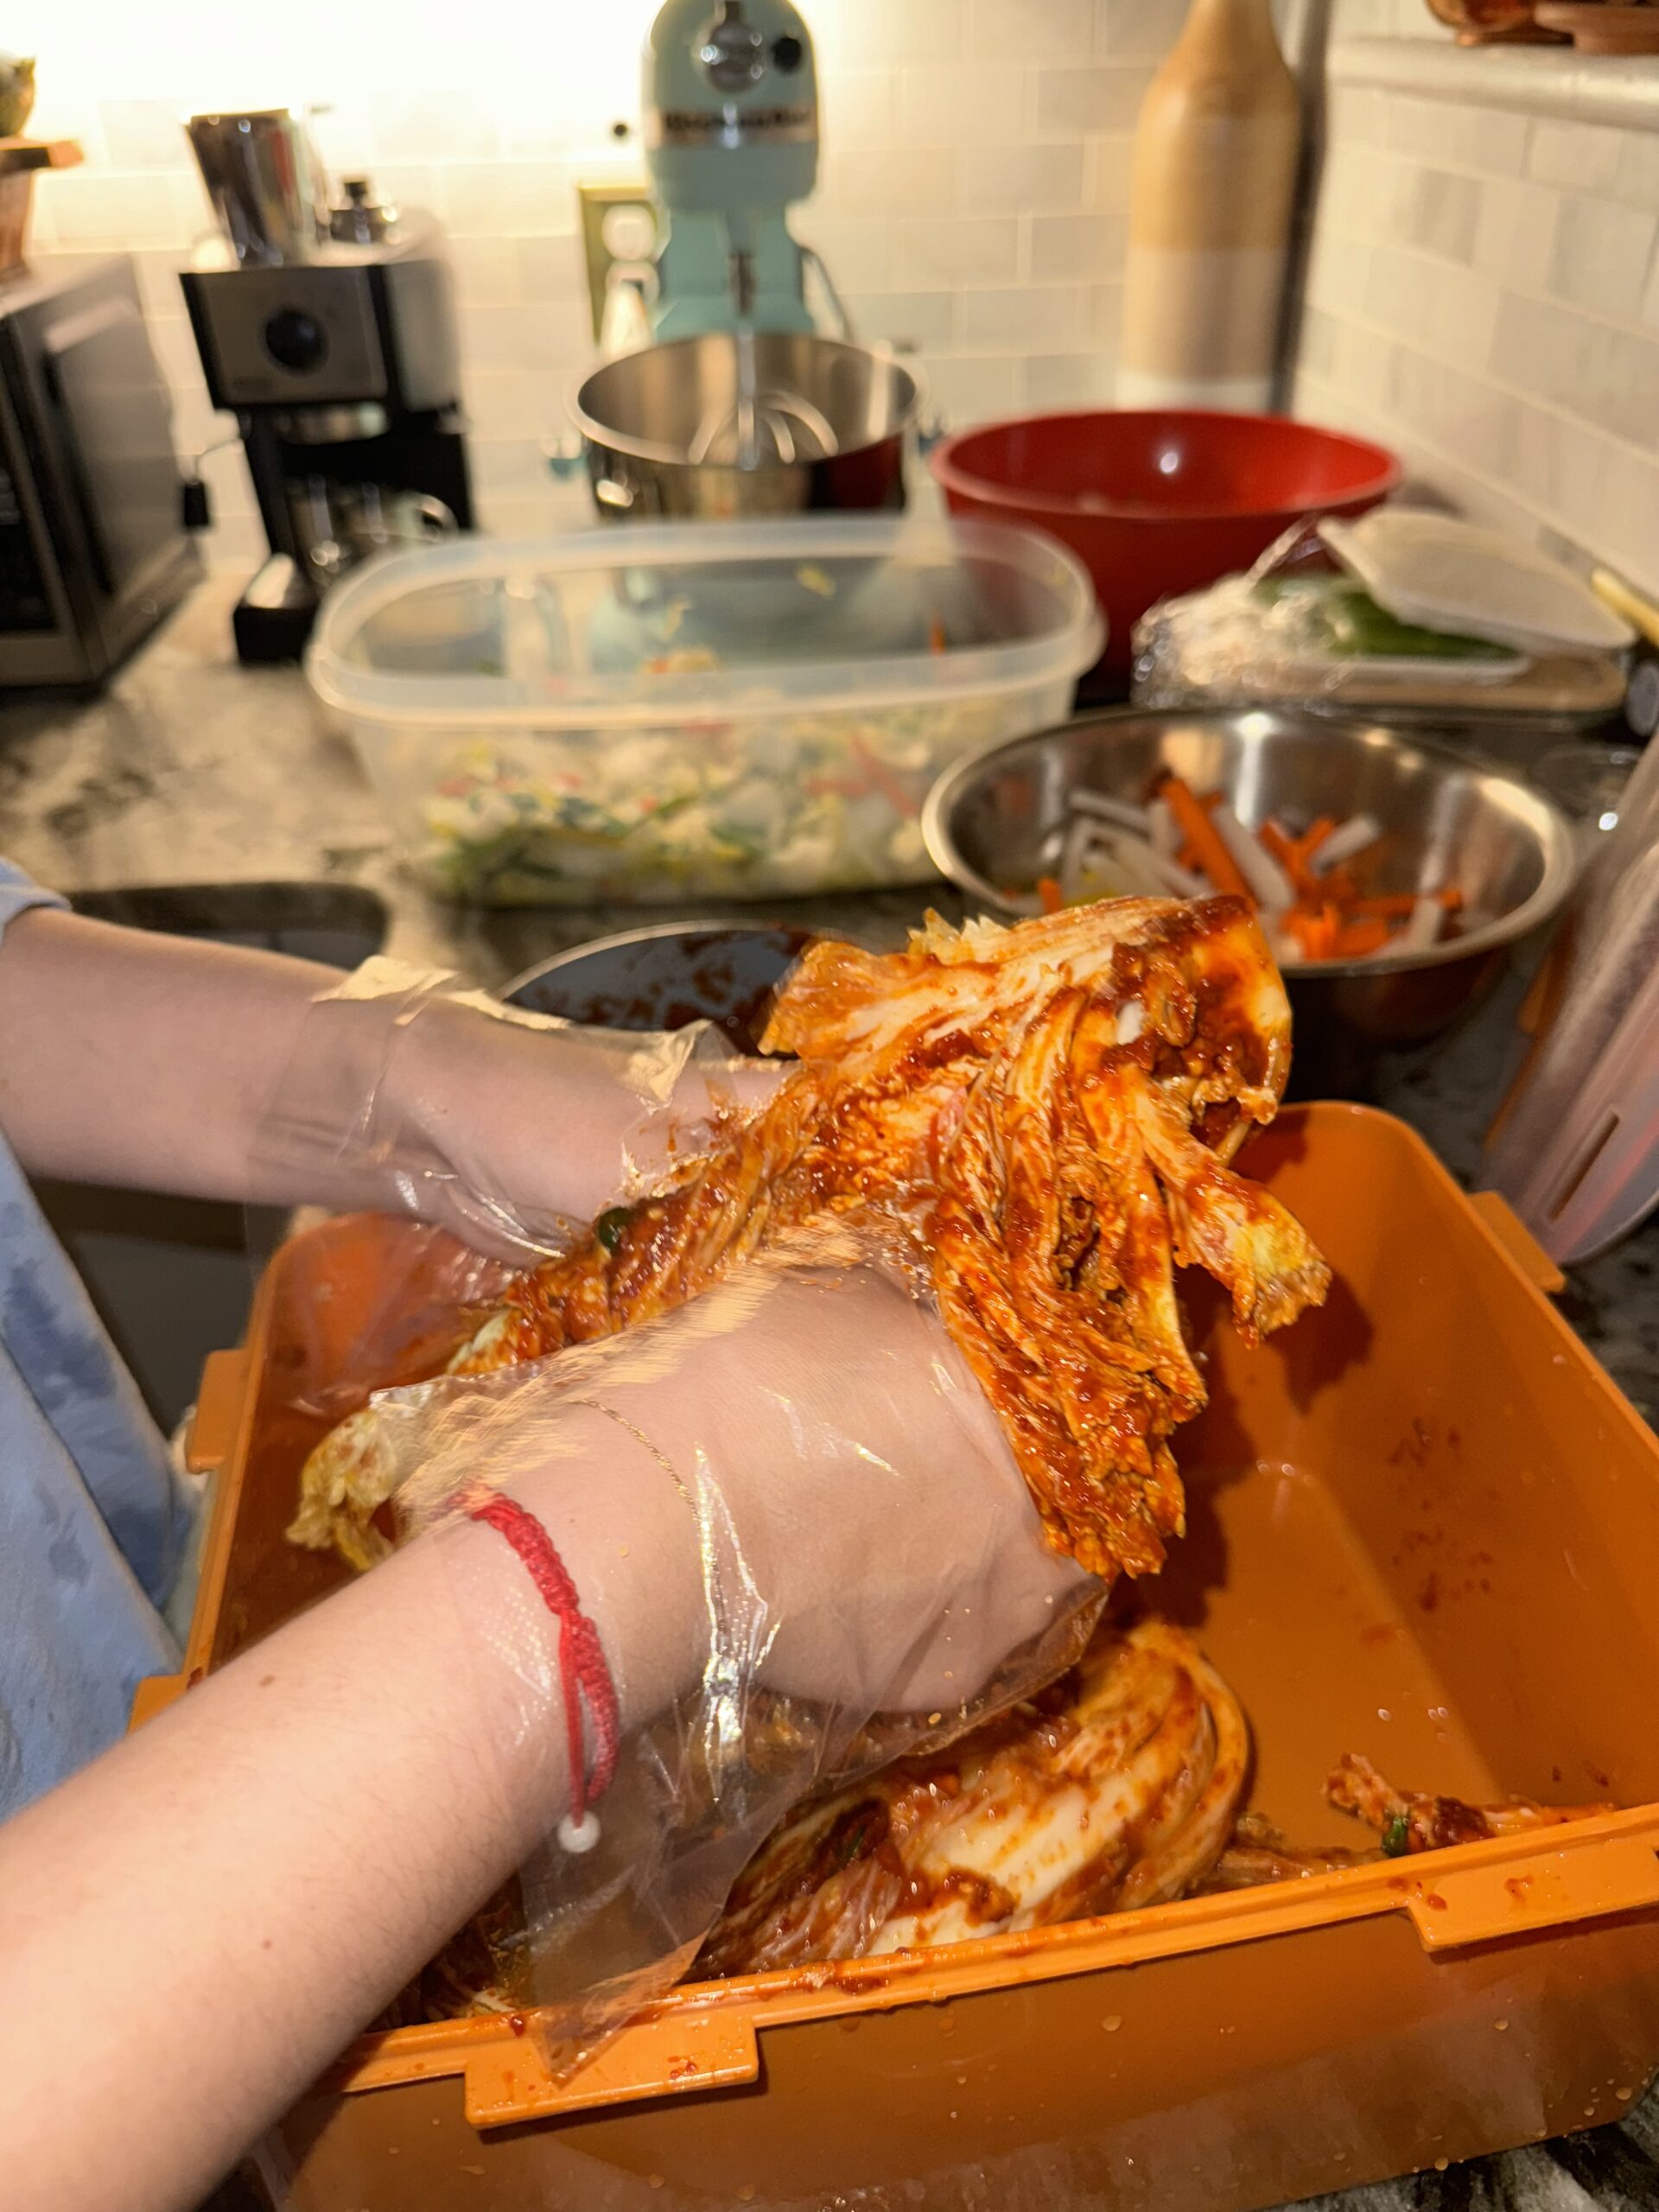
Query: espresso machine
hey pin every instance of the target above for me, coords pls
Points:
(331, 335)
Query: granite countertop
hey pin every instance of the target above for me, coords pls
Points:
(192, 770)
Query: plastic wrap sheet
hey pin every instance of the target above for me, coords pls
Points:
(1296, 630)
(510, 1130)
(810, 1404)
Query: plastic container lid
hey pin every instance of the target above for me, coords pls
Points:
(618, 628)
(1447, 574)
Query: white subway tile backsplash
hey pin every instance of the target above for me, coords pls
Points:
(860, 108)
(486, 271)
(1137, 29)
(892, 181)
(506, 198)
(1105, 314)
(1600, 257)
(1356, 115)
(1625, 528)
(517, 403)
(1447, 310)
(860, 252)
(1496, 140)
(919, 319)
(1028, 30)
(418, 126)
(1316, 356)
(1515, 232)
(961, 251)
(1338, 272)
(1607, 376)
(96, 207)
(1108, 174)
(860, 32)
(1636, 174)
(511, 465)
(1578, 156)
(1035, 316)
(1554, 461)
(965, 107)
(1071, 103)
(1443, 210)
(558, 337)
(142, 134)
(495, 339)
(966, 389)
(1459, 412)
(1065, 380)
(551, 268)
(1019, 180)
(1076, 245)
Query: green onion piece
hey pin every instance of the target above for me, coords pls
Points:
(1396, 1837)
(610, 1225)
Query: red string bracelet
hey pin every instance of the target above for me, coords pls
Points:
(582, 1671)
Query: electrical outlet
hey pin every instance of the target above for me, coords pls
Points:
(618, 231)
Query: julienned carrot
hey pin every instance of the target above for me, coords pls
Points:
(1209, 854)
(1282, 847)
(1049, 891)
(1354, 940)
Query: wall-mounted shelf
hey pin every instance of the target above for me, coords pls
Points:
(1552, 80)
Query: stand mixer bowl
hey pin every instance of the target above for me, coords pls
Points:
(766, 423)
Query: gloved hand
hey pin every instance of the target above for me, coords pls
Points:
(407, 1095)
(791, 1513)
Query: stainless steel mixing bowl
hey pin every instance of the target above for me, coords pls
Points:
(660, 428)
(994, 824)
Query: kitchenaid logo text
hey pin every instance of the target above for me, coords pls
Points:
(680, 126)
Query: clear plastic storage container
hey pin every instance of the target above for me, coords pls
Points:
(740, 711)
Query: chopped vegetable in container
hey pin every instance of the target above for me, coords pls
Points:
(675, 711)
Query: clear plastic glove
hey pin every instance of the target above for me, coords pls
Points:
(406, 1094)
(831, 1559)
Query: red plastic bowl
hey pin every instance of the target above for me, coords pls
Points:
(1162, 501)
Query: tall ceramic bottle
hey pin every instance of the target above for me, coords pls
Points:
(1210, 215)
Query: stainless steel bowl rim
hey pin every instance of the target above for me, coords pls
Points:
(715, 925)
(659, 455)
(1557, 845)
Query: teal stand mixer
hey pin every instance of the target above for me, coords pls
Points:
(718, 394)
(729, 102)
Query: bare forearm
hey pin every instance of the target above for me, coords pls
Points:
(143, 1061)
(235, 1891)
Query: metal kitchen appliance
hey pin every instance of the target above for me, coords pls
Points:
(92, 551)
(729, 101)
(339, 359)
(676, 430)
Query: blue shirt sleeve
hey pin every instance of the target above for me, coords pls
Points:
(18, 893)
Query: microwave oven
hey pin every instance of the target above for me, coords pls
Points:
(93, 550)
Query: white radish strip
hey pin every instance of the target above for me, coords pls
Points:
(1133, 818)
(1421, 930)
(1173, 877)
(1080, 835)
(1348, 838)
(1133, 860)
(1269, 884)
(1163, 829)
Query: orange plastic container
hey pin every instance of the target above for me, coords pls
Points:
(1423, 1525)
